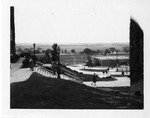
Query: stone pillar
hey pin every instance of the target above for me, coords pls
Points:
(12, 32)
(136, 52)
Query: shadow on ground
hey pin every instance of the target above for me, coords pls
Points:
(40, 92)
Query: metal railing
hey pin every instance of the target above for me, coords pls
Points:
(65, 73)
(45, 72)
(71, 74)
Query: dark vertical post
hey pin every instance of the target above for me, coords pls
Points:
(34, 51)
(117, 58)
(72, 60)
(58, 70)
(84, 62)
(12, 31)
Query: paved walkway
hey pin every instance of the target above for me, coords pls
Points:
(20, 75)
(17, 73)
(80, 68)
(121, 81)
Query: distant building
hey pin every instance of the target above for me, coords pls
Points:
(118, 53)
(12, 32)
(110, 60)
(136, 52)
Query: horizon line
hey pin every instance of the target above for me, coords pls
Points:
(73, 43)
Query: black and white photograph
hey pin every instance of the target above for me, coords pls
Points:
(78, 57)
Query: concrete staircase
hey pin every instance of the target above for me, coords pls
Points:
(66, 73)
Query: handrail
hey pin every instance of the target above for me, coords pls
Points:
(72, 75)
(68, 73)
(61, 68)
(38, 62)
(45, 69)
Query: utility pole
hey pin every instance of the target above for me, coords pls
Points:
(117, 59)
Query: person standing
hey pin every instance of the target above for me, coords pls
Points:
(122, 72)
(31, 64)
(106, 71)
(94, 80)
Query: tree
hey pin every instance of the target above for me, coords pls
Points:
(48, 51)
(27, 55)
(87, 51)
(31, 49)
(19, 50)
(89, 62)
(54, 52)
(43, 51)
(31, 52)
(65, 51)
(97, 63)
(112, 49)
(97, 51)
(37, 52)
(81, 52)
(39, 48)
(107, 51)
(47, 56)
(26, 49)
(22, 54)
(73, 51)
(126, 49)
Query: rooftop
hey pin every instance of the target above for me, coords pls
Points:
(110, 57)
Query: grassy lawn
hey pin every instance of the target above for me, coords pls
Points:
(40, 92)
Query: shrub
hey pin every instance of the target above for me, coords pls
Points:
(97, 63)
(25, 54)
(26, 63)
(22, 54)
(14, 58)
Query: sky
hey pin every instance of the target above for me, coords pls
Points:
(84, 21)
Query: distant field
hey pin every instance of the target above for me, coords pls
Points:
(77, 47)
